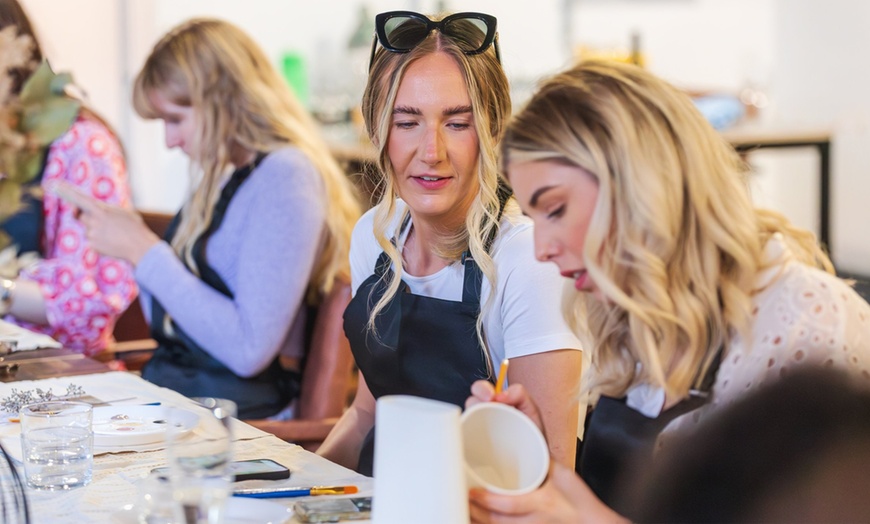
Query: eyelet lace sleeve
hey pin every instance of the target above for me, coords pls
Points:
(806, 317)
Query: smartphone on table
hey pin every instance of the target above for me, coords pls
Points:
(259, 469)
(334, 509)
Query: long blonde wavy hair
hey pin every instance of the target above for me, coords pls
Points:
(674, 244)
(490, 101)
(240, 101)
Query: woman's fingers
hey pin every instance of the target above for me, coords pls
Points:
(515, 395)
(478, 514)
(491, 507)
(481, 391)
(74, 196)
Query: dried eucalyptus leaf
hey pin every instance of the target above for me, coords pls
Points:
(38, 87)
(48, 119)
(59, 83)
(27, 166)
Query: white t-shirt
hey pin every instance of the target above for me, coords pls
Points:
(525, 317)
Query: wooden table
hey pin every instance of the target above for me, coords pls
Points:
(47, 363)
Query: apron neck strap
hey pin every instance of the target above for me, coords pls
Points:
(709, 378)
(473, 276)
(208, 274)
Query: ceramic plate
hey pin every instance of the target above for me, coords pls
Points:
(135, 425)
(238, 511)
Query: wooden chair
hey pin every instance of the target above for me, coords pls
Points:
(328, 380)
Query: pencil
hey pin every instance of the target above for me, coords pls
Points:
(502, 375)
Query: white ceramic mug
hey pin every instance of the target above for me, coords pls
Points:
(505, 451)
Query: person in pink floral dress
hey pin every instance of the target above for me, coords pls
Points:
(71, 293)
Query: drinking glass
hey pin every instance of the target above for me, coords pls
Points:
(199, 463)
(57, 441)
(155, 504)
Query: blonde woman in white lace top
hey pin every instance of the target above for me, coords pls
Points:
(644, 207)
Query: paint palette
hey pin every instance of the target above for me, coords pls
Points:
(135, 425)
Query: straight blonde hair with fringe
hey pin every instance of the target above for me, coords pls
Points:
(490, 101)
(240, 101)
(674, 244)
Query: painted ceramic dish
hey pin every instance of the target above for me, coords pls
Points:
(135, 425)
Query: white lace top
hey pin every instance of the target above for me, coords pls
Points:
(803, 317)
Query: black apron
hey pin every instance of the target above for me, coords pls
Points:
(427, 347)
(620, 440)
(179, 363)
(26, 226)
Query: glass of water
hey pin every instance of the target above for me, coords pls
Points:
(155, 504)
(57, 441)
(199, 462)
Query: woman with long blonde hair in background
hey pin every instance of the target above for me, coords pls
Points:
(264, 232)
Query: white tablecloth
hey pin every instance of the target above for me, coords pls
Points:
(113, 490)
(25, 339)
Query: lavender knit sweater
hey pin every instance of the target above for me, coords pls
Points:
(265, 251)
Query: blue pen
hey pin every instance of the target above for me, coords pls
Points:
(297, 492)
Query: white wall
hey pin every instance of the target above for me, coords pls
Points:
(699, 44)
(805, 54)
(823, 78)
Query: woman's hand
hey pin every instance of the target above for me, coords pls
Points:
(563, 498)
(110, 230)
(515, 395)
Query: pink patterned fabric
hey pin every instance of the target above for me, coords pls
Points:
(84, 292)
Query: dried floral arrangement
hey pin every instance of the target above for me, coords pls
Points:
(29, 120)
(14, 402)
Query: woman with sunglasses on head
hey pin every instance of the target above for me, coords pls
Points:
(70, 292)
(692, 297)
(264, 233)
(444, 279)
